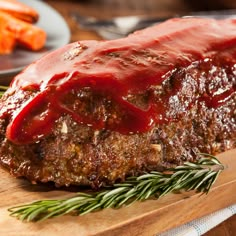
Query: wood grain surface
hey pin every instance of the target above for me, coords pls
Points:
(142, 218)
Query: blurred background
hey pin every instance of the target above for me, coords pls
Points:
(106, 9)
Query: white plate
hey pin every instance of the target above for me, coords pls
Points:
(58, 34)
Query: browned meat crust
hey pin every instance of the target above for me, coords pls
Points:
(77, 154)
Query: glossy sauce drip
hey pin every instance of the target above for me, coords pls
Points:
(115, 70)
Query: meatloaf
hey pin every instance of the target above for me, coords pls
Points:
(94, 112)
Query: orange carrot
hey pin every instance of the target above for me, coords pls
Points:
(19, 10)
(7, 39)
(26, 34)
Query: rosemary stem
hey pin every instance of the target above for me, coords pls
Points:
(199, 176)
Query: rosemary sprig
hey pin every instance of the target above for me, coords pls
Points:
(3, 90)
(198, 176)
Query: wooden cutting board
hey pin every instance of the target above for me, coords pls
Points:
(143, 218)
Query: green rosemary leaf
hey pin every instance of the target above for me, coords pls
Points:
(123, 199)
(114, 191)
(2, 87)
(199, 176)
(3, 90)
(34, 214)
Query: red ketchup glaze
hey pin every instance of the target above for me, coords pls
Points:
(116, 69)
